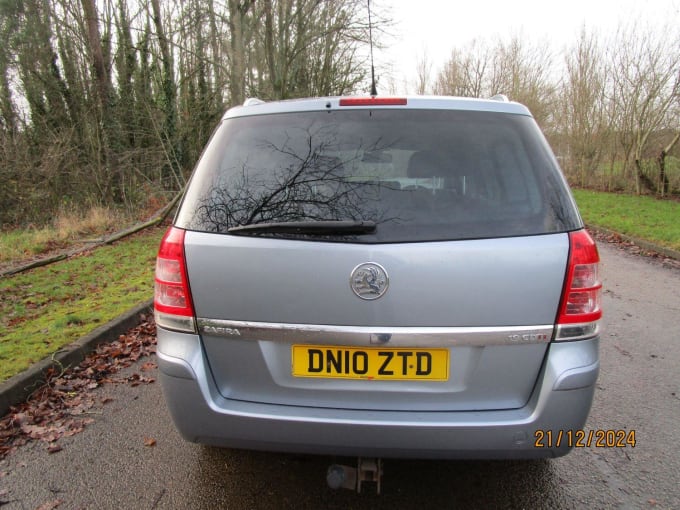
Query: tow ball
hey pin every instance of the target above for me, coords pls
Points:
(348, 477)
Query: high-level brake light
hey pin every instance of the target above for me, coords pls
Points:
(373, 101)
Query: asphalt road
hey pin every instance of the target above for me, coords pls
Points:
(108, 466)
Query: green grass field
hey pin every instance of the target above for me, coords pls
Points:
(49, 307)
(642, 217)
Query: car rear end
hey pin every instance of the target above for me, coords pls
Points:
(378, 277)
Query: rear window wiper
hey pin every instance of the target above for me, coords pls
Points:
(307, 227)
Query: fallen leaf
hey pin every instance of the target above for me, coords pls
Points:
(149, 441)
(53, 448)
(51, 505)
(56, 409)
(149, 365)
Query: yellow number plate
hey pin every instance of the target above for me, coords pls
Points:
(372, 363)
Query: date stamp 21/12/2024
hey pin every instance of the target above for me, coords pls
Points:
(599, 438)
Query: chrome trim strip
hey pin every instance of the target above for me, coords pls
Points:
(387, 336)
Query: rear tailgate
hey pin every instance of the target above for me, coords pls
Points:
(488, 305)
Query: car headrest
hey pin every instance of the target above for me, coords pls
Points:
(425, 164)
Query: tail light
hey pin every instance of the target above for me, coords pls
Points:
(173, 308)
(580, 308)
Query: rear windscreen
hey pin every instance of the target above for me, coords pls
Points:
(418, 174)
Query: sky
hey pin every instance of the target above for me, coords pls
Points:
(434, 27)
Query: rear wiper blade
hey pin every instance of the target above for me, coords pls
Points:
(307, 227)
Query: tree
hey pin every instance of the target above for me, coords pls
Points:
(661, 161)
(583, 115)
(423, 73)
(168, 98)
(467, 72)
(513, 68)
(8, 121)
(239, 33)
(645, 92)
(310, 48)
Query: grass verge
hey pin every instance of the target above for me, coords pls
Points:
(67, 229)
(49, 307)
(653, 220)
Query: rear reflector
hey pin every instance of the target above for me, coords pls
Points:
(172, 299)
(580, 308)
(373, 101)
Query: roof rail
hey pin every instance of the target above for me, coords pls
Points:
(252, 101)
(500, 97)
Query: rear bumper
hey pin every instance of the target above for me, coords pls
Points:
(560, 401)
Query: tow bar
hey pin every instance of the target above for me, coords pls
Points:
(347, 477)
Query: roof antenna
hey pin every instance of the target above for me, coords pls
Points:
(374, 91)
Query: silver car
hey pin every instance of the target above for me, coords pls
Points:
(385, 277)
